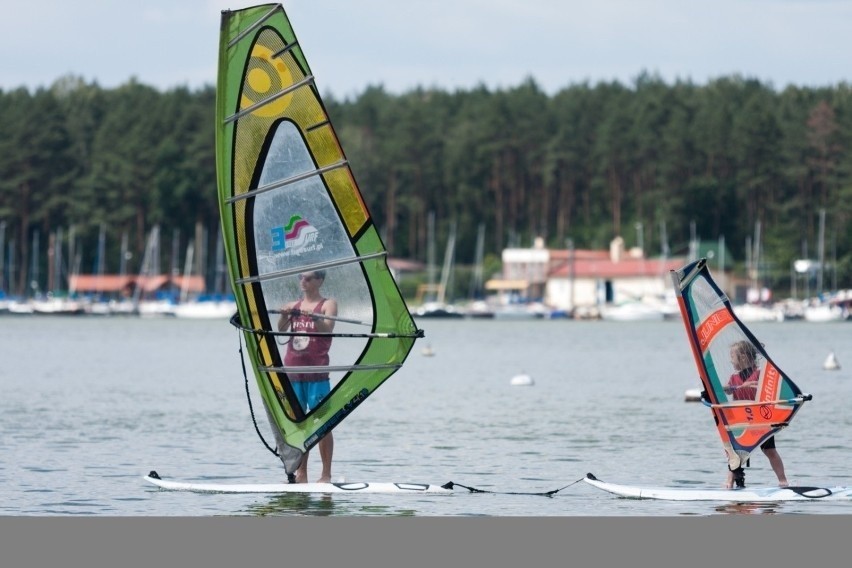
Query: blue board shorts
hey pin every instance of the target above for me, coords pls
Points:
(311, 393)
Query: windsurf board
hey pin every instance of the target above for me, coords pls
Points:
(744, 495)
(348, 487)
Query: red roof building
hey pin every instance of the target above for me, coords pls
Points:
(125, 285)
(581, 278)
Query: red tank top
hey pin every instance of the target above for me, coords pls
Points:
(307, 351)
(743, 393)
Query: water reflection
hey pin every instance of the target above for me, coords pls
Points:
(322, 505)
(748, 508)
(305, 504)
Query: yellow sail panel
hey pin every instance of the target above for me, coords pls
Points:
(347, 198)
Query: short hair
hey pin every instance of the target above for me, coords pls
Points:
(320, 274)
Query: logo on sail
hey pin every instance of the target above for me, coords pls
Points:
(297, 237)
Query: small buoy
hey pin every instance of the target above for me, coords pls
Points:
(522, 380)
(692, 395)
(428, 351)
(831, 363)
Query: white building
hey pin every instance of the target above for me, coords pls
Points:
(582, 280)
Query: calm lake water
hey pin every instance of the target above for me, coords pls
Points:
(91, 405)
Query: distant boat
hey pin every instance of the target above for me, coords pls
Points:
(437, 306)
(823, 313)
(437, 310)
(205, 309)
(17, 306)
(479, 309)
(632, 311)
(692, 395)
(522, 380)
(525, 311)
(758, 313)
(55, 306)
(831, 363)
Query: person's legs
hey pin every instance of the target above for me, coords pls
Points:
(326, 450)
(302, 472)
(777, 465)
(736, 478)
(774, 458)
(303, 392)
(317, 392)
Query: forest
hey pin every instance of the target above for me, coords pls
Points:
(657, 163)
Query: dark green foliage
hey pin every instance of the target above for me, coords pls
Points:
(586, 164)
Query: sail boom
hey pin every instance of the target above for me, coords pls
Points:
(377, 335)
(288, 181)
(739, 427)
(740, 404)
(325, 317)
(329, 368)
(309, 268)
(374, 335)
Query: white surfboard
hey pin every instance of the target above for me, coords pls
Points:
(349, 487)
(745, 495)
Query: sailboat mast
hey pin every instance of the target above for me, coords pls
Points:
(187, 272)
(476, 282)
(755, 258)
(430, 252)
(34, 275)
(821, 252)
(2, 256)
(122, 262)
(449, 259)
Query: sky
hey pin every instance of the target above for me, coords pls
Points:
(445, 44)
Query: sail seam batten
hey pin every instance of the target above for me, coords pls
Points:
(289, 181)
(252, 27)
(270, 99)
(287, 48)
(309, 268)
(318, 125)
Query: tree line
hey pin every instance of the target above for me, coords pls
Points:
(654, 162)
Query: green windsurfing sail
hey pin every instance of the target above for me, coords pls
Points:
(292, 211)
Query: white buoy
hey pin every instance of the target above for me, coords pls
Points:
(692, 395)
(428, 351)
(831, 363)
(522, 380)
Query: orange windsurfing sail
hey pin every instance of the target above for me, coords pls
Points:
(750, 397)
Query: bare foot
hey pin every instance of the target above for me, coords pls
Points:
(324, 480)
(301, 478)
